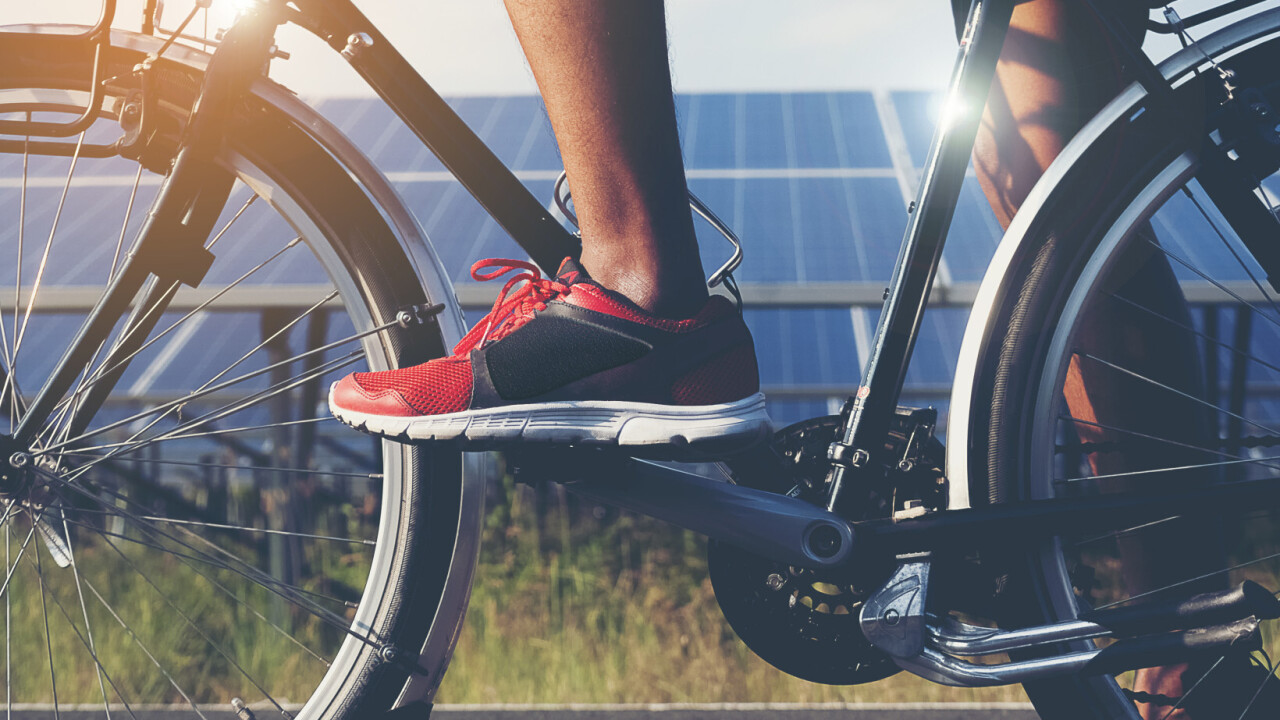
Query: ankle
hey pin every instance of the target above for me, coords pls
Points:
(666, 292)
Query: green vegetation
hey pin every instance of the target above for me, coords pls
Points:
(572, 602)
(577, 603)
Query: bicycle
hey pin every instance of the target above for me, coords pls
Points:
(860, 512)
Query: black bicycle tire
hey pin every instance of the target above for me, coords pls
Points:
(369, 250)
(1130, 156)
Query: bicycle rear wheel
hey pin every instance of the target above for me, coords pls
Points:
(222, 539)
(1141, 355)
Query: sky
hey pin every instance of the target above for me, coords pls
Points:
(467, 47)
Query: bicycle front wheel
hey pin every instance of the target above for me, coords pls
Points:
(204, 534)
(1141, 357)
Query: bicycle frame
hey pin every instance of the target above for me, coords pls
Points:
(797, 532)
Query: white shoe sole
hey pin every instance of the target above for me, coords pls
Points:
(625, 424)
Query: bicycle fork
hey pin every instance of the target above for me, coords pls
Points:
(170, 247)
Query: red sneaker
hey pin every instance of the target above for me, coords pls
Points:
(566, 361)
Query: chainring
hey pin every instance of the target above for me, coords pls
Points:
(803, 622)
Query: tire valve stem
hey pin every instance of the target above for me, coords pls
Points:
(242, 711)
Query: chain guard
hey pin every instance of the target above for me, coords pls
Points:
(803, 622)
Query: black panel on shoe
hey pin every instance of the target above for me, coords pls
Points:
(553, 351)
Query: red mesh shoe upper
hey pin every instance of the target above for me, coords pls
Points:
(432, 388)
(729, 377)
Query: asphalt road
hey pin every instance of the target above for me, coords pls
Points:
(754, 711)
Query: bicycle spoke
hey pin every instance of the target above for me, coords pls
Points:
(111, 273)
(8, 577)
(225, 591)
(1180, 468)
(233, 408)
(1187, 693)
(297, 595)
(197, 394)
(143, 647)
(1196, 579)
(1214, 341)
(214, 415)
(44, 259)
(48, 641)
(68, 402)
(1257, 693)
(1175, 391)
(241, 528)
(8, 630)
(102, 372)
(246, 570)
(1226, 244)
(1145, 436)
(92, 653)
(84, 610)
(242, 358)
(255, 468)
(192, 624)
(93, 449)
(22, 227)
(254, 575)
(1235, 296)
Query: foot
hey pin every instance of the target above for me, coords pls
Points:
(567, 361)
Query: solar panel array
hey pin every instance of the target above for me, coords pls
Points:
(815, 184)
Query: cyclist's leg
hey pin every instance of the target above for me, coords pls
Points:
(1056, 70)
(626, 348)
(602, 70)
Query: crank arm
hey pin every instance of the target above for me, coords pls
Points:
(773, 526)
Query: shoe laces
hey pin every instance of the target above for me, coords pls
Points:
(513, 308)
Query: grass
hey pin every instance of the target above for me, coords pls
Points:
(576, 603)
(572, 602)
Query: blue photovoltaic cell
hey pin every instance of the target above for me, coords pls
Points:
(973, 236)
(223, 339)
(764, 212)
(933, 363)
(784, 412)
(709, 136)
(765, 136)
(813, 126)
(451, 219)
(804, 346)
(916, 113)
(858, 124)
(872, 211)
(1193, 240)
